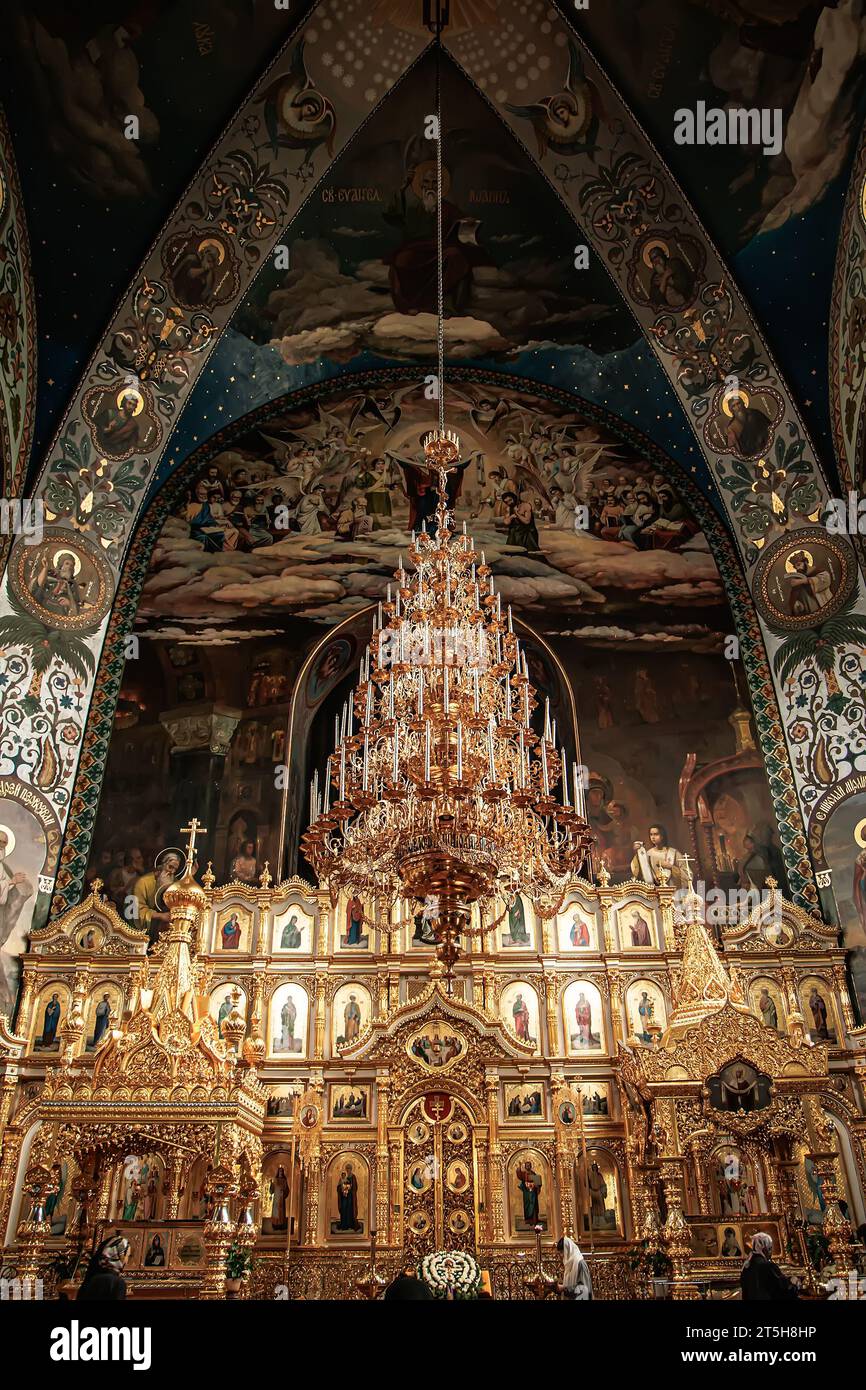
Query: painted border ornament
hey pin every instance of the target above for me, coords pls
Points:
(453, 1273)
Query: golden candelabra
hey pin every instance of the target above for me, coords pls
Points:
(444, 791)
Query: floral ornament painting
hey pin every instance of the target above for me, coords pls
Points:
(451, 1274)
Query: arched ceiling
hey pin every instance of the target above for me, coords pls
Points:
(204, 320)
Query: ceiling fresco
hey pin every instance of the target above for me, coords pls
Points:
(306, 510)
(95, 199)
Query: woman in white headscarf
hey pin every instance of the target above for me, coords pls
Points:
(576, 1278)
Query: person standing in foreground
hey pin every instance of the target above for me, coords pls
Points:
(104, 1277)
(761, 1278)
(576, 1278)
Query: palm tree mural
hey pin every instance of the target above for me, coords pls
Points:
(819, 645)
(45, 645)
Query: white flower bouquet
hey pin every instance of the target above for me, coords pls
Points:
(453, 1272)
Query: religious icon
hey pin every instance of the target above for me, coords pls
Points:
(767, 1003)
(419, 1223)
(459, 1222)
(457, 1132)
(436, 1047)
(354, 935)
(122, 419)
(230, 932)
(730, 1247)
(524, 1100)
(567, 1113)
(595, 1099)
(528, 1176)
(102, 1017)
(348, 1197)
(64, 581)
(736, 1190)
(293, 929)
(418, 1133)
(579, 932)
(804, 578)
(638, 928)
(155, 1247)
(48, 1040)
(350, 1102)
(666, 269)
(818, 1012)
(646, 1012)
(420, 1176)
(288, 1019)
(201, 268)
(457, 1175)
(601, 1183)
(351, 1013)
(516, 933)
(518, 1009)
(705, 1242)
(279, 1194)
(743, 419)
(584, 1029)
(739, 1087)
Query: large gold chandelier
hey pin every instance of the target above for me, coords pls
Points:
(439, 789)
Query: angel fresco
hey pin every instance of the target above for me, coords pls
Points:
(568, 121)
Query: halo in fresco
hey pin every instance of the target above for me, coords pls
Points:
(64, 581)
(803, 578)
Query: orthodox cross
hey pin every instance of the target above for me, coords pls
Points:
(194, 828)
(687, 859)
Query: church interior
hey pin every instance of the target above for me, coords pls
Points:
(432, 645)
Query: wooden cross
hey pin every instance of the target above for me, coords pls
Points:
(194, 828)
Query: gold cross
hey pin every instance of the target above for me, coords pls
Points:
(194, 828)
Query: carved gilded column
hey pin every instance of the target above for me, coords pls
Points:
(383, 1097)
(35, 1230)
(481, 1194)
(551, 1003)
(477, 989)
(675, 1232)
(257, 1037)
(321, 985)
(564, 1166)
(489, 984)
(25, 1005)
(697, 1161)
(840, 984)
(395, 1206)
(616, 1013)
(218, 1234)
(548, 945)
(313, 1188)
(495, 1175)
(172, 1177)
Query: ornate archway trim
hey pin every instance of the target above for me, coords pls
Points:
(97, 735)
(698, 325)
(847, 356)
(17, 325)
